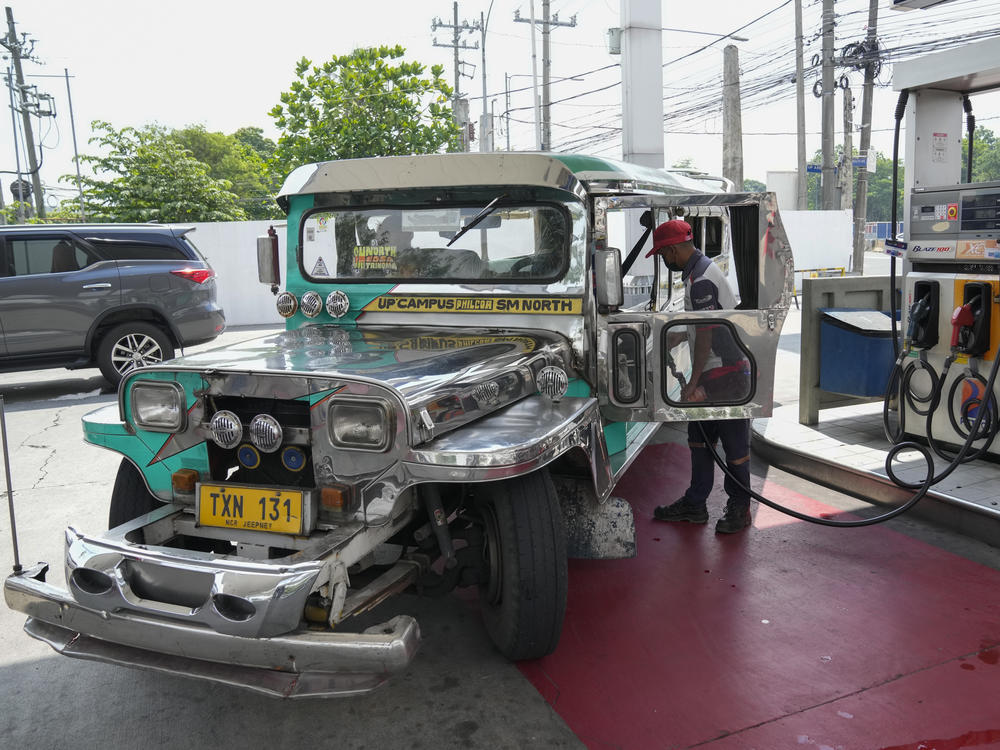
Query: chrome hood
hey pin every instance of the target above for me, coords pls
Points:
(446, 376)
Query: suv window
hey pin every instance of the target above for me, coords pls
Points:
(37, 255)
(139, 251)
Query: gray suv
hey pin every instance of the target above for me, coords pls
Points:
(115, 296)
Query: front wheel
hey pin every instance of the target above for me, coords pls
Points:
(523, 588)
(130, 345)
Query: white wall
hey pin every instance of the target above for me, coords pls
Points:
(785, 186)
(231, 248)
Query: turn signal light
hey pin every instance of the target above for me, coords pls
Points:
(184, 480)
(337, 497)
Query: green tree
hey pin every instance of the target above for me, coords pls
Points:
(229, 159)
(753, 186)
(254, 138)
(145, 175)
(363, 104)
(985, 156)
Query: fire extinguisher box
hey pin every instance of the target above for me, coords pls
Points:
(856, 351)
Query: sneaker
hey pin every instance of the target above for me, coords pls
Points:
(735, 519)
(682, 510)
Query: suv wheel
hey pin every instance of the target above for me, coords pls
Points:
(130, 345)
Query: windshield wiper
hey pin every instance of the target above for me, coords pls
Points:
(487, 210)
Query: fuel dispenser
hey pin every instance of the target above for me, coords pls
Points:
(950, 258)
(952, 319)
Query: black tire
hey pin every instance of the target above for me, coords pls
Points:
(130, 498)
(523, 593)
(131, 345)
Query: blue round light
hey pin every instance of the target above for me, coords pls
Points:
(293, 459)
(248, 456)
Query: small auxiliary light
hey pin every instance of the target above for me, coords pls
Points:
(553, 382)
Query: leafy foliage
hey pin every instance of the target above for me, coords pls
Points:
(753, 186)
(363, 104)
(985, 156)
(145, 175)
(230, 159)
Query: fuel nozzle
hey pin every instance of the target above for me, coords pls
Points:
(963, 317)
(919, 312)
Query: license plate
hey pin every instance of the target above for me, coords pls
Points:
(250, 508)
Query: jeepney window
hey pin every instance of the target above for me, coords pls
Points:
(726, 370)
(520, 242)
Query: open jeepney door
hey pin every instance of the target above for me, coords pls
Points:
(645, 351)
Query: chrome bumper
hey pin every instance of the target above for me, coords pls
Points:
(297, 664)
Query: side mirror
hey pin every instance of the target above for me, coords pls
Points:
(268, 262)
(608, 279)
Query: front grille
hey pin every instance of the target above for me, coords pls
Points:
(269, 469)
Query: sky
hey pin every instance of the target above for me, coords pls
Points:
(223, 64)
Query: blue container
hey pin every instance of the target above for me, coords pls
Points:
(856, 352)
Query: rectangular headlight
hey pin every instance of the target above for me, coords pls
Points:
(158, 406)
(361, 425)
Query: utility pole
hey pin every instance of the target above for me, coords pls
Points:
(800, 111)
(548, 23)
(13, 46)
(486, 118)
(861, 202)
(732, 121)
(461, 112)
(829, 181)
(847, 169)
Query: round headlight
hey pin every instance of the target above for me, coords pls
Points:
(311, 304)
(553, 382)
(286, 304)
(227, 430)
(338, 303)
(265, 432)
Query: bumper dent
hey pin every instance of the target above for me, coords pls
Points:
(299, 664)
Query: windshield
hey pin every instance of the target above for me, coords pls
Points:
(521, 242)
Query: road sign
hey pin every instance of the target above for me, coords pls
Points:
(814, 168)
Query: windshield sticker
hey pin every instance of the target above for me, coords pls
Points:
(374, 257)
(420, 303)
(320, 268)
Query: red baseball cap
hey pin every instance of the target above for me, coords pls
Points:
(671, 232)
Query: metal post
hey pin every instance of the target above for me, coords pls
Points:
(800, 111)
(861, 202)
(829, 181)
(76, 154)
(10, 485)
(506, 94)
(847, 171)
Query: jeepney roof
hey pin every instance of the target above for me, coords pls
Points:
(575, 174)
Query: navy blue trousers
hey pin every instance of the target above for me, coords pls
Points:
(734, 434)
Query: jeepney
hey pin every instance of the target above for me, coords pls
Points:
(460, 385)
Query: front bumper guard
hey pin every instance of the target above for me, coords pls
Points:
(298, 664)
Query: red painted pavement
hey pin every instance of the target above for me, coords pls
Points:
(789, 636)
